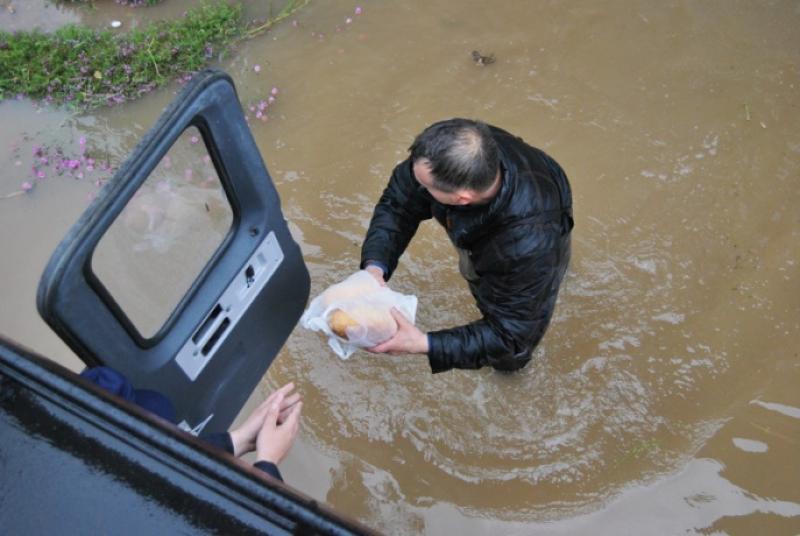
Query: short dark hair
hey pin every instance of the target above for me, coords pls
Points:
(462, 154)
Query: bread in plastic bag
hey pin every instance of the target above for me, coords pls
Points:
(356, 313)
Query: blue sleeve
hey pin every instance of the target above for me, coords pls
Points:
(270, 468)
(221, 440)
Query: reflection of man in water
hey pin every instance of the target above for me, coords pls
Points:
(507, 208)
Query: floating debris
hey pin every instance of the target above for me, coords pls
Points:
(479, 59)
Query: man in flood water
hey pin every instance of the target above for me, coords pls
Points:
(507, 208)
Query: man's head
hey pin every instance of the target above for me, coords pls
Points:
(457, 161)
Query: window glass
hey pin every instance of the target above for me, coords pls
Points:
(162, 240)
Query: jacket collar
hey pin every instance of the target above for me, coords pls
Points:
(466, 223)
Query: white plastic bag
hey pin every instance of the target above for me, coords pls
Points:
(358, 309)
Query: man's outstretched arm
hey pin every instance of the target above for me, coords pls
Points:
(400, 209)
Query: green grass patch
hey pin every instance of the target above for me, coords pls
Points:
(87, 68)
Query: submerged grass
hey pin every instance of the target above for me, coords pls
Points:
(86, 68)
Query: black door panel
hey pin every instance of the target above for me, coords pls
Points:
(220, 337)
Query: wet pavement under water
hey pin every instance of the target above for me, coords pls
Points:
(663, 398)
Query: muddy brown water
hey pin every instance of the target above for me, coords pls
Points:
(664, 396)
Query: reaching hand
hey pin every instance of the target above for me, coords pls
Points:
(408, 339)
(244, 437)
(377, 273)
(274, 440)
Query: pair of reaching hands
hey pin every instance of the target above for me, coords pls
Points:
(271, 429)
(408, 339)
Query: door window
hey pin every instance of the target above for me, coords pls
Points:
(166, 234)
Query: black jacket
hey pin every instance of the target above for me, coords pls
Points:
(513, 252)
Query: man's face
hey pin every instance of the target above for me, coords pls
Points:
(422, 172)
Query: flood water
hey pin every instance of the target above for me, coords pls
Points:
(662, 400)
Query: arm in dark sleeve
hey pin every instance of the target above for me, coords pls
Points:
(270, 468)
(516, 300)
(222, 440)
(401, 208)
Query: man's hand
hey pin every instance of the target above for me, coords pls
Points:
(377, 273)
(408, 339)
(244, 437)
(274, 440)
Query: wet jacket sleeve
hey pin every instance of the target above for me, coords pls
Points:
(401, 208)
(517, 299)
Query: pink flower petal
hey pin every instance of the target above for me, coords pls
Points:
(27, 186)
(257, 68)
(359, 10)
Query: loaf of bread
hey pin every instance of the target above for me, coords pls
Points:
(339, 321)
(368, 320)
(357, 313)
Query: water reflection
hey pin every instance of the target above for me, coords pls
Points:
(45, 15)
(698, 500)
(164, 237)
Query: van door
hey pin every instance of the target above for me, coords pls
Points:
(182, 274)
